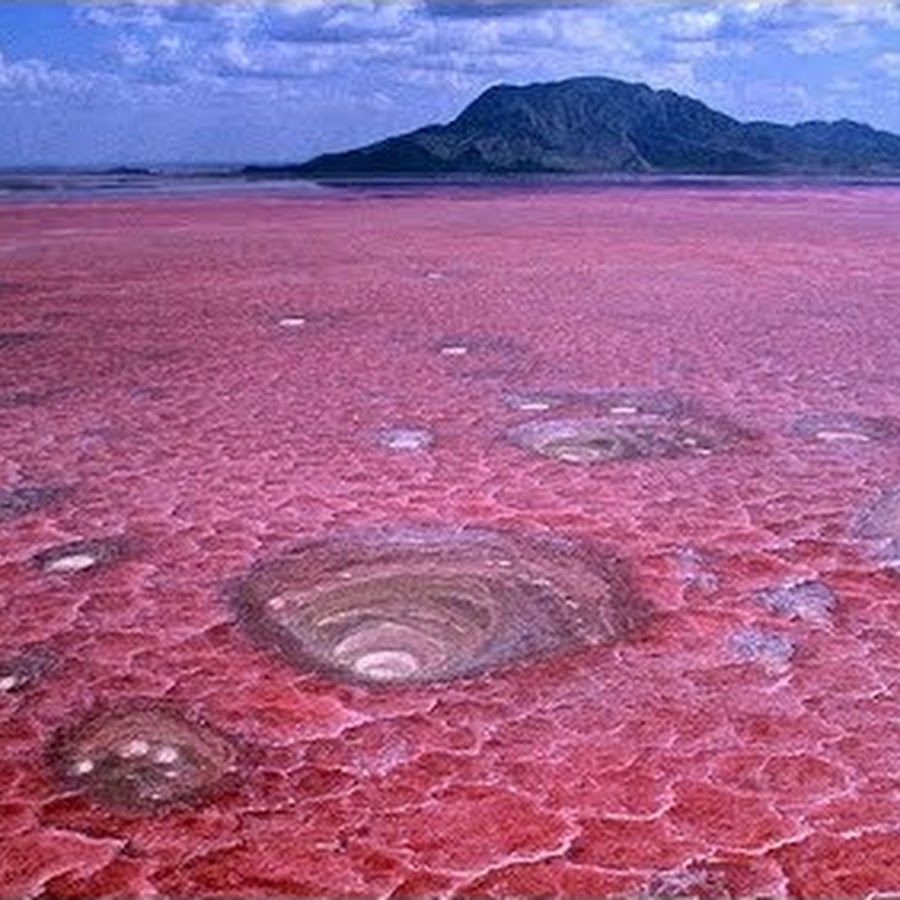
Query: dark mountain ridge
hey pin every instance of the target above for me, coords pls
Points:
(602, 125)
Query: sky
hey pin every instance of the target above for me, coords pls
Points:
(267, 81)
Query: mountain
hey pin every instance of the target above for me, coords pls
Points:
(601, 125)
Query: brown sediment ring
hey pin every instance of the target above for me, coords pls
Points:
(430, 604)
(143, 756)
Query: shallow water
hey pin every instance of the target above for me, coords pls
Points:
(208, 383)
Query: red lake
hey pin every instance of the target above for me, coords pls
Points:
(446, 542)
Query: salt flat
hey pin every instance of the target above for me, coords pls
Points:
(698, 384)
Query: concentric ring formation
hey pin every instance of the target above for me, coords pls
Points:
(429, 604)
(142, 758)
(601, 439)
(619, 423)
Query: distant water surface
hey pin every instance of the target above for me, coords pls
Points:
(45, 184)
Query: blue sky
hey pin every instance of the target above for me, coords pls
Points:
(257, 81)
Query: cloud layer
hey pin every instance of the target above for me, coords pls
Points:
(260, 80)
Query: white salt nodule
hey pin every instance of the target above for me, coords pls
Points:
(166, 755)
(76, 562)
(386, 665)
(135, 747)
(406, 439)
(533, 405)
(829, 436)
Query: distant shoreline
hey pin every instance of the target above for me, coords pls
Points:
(51, 185)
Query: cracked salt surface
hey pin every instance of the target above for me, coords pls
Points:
(740, 743)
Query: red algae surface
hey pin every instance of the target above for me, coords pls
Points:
(191, 388)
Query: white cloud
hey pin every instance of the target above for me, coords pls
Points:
(694, 24)
(290, 73)
(835, 36)
(132, 52)
(29, 78)
(844, 85)
(235, 52)
(170, 45)
(874, 12)
(112, 15)
(888, 63)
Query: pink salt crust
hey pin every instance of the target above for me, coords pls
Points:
(730, 749)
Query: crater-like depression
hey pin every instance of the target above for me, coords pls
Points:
(428, 604)
(144, 758)
(610, 438)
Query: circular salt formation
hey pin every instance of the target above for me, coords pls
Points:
(632, 436)
(845, 428)
(405, 438)
(78, 556)
(142, 759)
(427, 604)
(20, 501)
